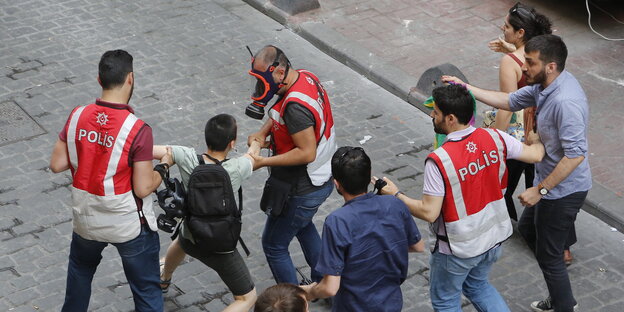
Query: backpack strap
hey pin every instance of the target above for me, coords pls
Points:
(240, 208)
(201, 159)
(213, 159)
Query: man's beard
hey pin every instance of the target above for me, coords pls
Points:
(537, 79)
(437, 129)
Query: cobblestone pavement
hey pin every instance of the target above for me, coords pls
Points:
(415, 35)
(191, 63)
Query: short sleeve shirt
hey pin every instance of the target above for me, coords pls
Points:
(366, 243)
(297, 117)
(239, 169)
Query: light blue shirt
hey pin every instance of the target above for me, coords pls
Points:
(562, 118)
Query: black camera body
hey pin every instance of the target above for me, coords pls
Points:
(171, 199)
(379, 184)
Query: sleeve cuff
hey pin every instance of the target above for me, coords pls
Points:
(574, 152)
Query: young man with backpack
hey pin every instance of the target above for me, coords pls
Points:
(210, 204)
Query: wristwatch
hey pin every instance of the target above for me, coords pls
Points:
(542, 190)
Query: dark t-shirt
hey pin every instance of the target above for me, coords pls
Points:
(366, 242)
(297, 118)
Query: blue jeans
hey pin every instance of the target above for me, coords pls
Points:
(296, 220)
(548, 229)
(450, 276)
(139, 257)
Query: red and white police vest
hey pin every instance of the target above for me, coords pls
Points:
(98, 143)
(475, 177)
(309, 92)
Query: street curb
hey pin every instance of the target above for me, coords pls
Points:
(600, 202)
(350, 53)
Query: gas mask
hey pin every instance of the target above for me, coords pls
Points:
(266, 87)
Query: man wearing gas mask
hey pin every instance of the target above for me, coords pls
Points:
(302, 140)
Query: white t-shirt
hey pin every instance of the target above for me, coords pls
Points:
(239, 168)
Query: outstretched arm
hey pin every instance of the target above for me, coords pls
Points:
(495, 99)
(144, 179)
(328, 287)
(427, 209)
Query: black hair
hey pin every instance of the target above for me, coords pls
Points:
(454, 99)
(533, 23)
(114, 67)
(351, 167)
(220, 131)
(282, 297)
(551, 48)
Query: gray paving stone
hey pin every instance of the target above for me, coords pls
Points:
(191, 63)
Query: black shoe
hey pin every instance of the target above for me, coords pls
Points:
(545, 305)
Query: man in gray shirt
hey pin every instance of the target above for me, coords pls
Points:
(563, 178)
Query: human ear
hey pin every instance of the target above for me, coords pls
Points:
(130, 78)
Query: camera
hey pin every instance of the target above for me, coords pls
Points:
(379, 184)
(171, 200)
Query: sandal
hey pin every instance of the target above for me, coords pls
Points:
(164, 284)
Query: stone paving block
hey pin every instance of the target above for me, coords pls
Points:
(214, 305)
(22, 297)
(199, 54)
(126, 305)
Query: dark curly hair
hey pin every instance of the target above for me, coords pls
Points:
(533, 23)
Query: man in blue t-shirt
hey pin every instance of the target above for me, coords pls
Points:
(365, 242)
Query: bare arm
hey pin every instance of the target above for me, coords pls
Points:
(563, 169)
(159, 151)
(328, 287)
(144, 179)
(59, 161)
(532, 153)
(508, 82)
(253, 150)
(418, 247)
(495, 99)
(427, 209)
(261, 135)
(500, 45)
(303, 153)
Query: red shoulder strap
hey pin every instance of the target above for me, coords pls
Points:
(515, 58)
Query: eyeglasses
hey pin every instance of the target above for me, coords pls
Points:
(522, 12)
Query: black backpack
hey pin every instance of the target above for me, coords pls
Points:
(212, 216)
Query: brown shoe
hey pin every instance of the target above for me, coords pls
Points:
(567, 257)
